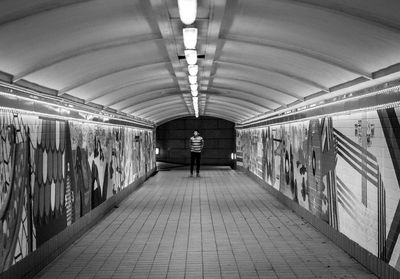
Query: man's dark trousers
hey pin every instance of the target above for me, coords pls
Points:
(195, 156)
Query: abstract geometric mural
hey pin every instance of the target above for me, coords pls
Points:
(52, 172)
(344, 169)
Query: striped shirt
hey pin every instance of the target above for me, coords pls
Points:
(196, 144)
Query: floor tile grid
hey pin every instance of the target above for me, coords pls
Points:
(149, 238)
(162, 261)
(115, 252)
(282, 253)
(221, 225)
(283, 248)
(177, 252)
(212, 250)
(244, 263)
(178, 261)
(268, 259)
(99, 257)
(324, 258)
(86, 248)
(227, 239)
(194, 259)
(322, 255)
(251, 240)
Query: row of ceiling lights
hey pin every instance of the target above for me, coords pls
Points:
(187, 14)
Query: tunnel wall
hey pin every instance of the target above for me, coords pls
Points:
(55, 174)
(342, 170)
(218, 134)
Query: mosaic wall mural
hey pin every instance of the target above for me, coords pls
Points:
(343, 169)
(53, 172)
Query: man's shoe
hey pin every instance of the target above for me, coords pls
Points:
(198, 175)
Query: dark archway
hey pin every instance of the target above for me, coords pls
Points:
(219, 136)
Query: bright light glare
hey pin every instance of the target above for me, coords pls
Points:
(192, 79)
(190, 38)
(191, 56)
(195, 93)
(193, 70)
(187, 11)
(193, 87)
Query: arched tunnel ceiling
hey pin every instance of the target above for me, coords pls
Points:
(255, 56)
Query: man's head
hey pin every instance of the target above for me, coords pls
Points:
(196, 133)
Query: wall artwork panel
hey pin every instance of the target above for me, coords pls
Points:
(343, 169)
(52, 172)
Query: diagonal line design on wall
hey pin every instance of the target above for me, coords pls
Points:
(390, 124)
(366, 164)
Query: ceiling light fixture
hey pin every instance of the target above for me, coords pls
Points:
(190, 38)
(187, 11)
(192, 79)
(193, 87)
(191, 56)
(195, 93)
(193, 70)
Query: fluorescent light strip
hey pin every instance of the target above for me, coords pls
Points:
(138, 122)
(193, 70)
(189, 37)
(194, 87)
(372, 108)
(192, 79)
(393, 89)
(191, 56)
(187, 11)
(54, 116)
(35, 96)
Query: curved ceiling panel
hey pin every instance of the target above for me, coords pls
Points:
(226, 113)
(165, 111)
(258, 88)
(222, 116)
(351, 41)
(293, 62)
(269, 79)
(239, 95)
(161, 119)
(80, 25)
(111, 84)
(77, 71)
(119, 96)
(124, 104)
(255, 57)
(370, 10)
(229, 100)
(146, 106)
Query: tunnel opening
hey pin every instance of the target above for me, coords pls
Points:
(172, 141)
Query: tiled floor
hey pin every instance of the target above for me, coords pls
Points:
(222, 225)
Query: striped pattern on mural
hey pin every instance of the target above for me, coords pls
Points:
(347, 199)
(381, 220)
(358, 157)
(391, 129)
(332, 197)
(366, 164)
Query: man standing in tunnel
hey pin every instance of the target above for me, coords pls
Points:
(196, 146)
